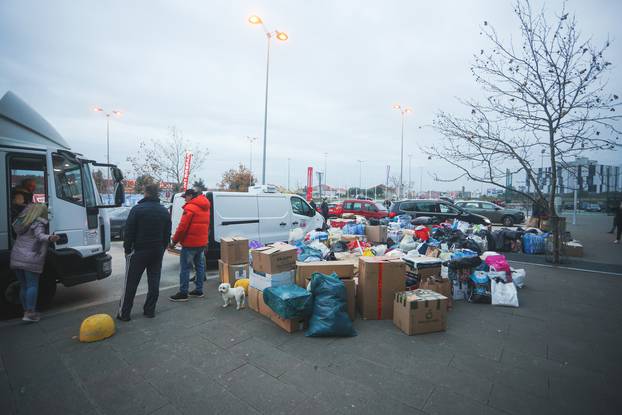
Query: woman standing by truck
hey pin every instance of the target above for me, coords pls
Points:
(28, 254)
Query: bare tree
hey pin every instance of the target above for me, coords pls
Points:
(164, 159)
(548, 93)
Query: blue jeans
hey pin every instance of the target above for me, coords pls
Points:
(28, 288)
(188, 257)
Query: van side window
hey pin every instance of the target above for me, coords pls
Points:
(408, 207)
(68, 179)
(300, 207)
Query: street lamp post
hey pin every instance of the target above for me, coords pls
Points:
(325, 159)
(360, 174)
(115, 113)
(282, 36)
(410, 182)
(403, 111)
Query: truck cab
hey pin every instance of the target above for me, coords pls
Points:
(76, 190)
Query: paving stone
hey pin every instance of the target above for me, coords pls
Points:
(262, 391)
(166, 410)
(32, 367)
(124, 392)
(194, 392)
(264, 356)
(515, 402)
(315, 350)
(93, 365)
(410, 389)
(444, 401)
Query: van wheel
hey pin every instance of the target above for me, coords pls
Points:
(508, 221)
(47, 291)
(10, 304)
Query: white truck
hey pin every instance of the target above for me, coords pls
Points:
(31, 150)
(262, 214)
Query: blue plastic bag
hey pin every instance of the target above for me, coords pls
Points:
(289, 301)
(330, 309)
(534, 244)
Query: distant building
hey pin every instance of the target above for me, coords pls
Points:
(582, 174)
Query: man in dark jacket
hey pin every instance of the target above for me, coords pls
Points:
(617, 221)
(147, 233)
(324, 208)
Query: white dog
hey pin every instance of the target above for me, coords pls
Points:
(228, 293)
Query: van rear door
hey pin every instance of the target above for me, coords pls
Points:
(275, 217)
(235, 214)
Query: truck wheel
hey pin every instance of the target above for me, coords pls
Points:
(508, 221)
(10, 304)
(47, 290)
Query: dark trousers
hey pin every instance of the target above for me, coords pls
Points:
(135, 265)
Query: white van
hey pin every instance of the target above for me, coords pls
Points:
(262, 214)
(31, 149)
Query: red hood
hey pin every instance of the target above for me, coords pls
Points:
(201, 202)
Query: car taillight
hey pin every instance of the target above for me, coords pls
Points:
(392, 214)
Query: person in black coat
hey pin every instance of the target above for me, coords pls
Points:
(324, 208)
(313, 205)
(147, 234)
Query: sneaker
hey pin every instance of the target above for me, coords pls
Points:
(196, 294)
(617, 241)
(121, 318)
(179, 297)
(149, 315)
(30, 317)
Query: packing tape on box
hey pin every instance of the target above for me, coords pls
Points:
(379, 297)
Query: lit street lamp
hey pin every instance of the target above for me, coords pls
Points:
(282, 36)
(108, 114)
(403, 111)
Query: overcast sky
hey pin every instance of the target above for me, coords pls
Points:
(200, 66)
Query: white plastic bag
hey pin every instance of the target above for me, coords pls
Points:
(296, 234)
(497, 274)
(504, 294)
(518, 277)
(408, 243)
(379, 250)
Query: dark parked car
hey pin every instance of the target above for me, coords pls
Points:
(117, 221)
(439, 210)
(496, 213)
(593, 207)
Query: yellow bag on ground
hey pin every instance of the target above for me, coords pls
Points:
(243, 282)
(96, 327)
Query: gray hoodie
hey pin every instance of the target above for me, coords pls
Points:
(31, 246)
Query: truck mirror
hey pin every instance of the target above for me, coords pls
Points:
(119, 193)
(117, 174)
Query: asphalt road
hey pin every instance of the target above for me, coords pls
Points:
(109, 289)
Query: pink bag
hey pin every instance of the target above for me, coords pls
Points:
(499, 263)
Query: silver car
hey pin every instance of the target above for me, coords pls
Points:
(496, 213)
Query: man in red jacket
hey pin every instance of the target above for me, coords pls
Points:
(193, 234)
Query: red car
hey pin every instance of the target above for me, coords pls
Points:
(366, 208)
(335, 209)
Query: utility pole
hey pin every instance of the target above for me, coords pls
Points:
(410, 180)
(325, 175)
(288, 165)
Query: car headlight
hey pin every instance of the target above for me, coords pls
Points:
(487, 221)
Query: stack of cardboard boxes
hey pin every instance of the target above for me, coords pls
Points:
(273, 265)
(233, 262)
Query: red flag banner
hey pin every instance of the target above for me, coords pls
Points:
(309, 183)
(187, 161)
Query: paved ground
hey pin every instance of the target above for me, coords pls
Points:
(558, 353)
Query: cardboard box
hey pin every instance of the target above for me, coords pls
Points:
(253, 301)
(420, 311)
(262, 281)
(351, 296)
(289, 325)
(231, 273)
(442, 286)
(234, 250)
(433, 252)
(304, 270)
(425, 266)
(275, 258)
(574, 248)
(376, 233)
(256, 303)
(379, 279)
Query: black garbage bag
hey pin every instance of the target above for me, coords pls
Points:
(330, 308)
(373, 221)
